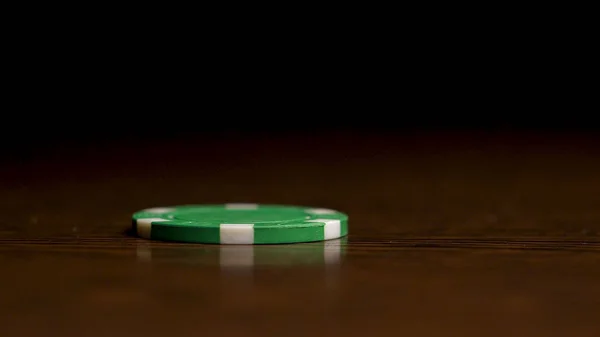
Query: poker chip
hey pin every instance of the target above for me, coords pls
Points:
(240, 224)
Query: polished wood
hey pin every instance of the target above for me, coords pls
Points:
(452, 234)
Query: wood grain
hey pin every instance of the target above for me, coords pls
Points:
(451, 234)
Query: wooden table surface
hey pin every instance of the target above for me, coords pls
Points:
(451, 234)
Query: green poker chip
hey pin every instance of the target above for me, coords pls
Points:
(240, 224)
